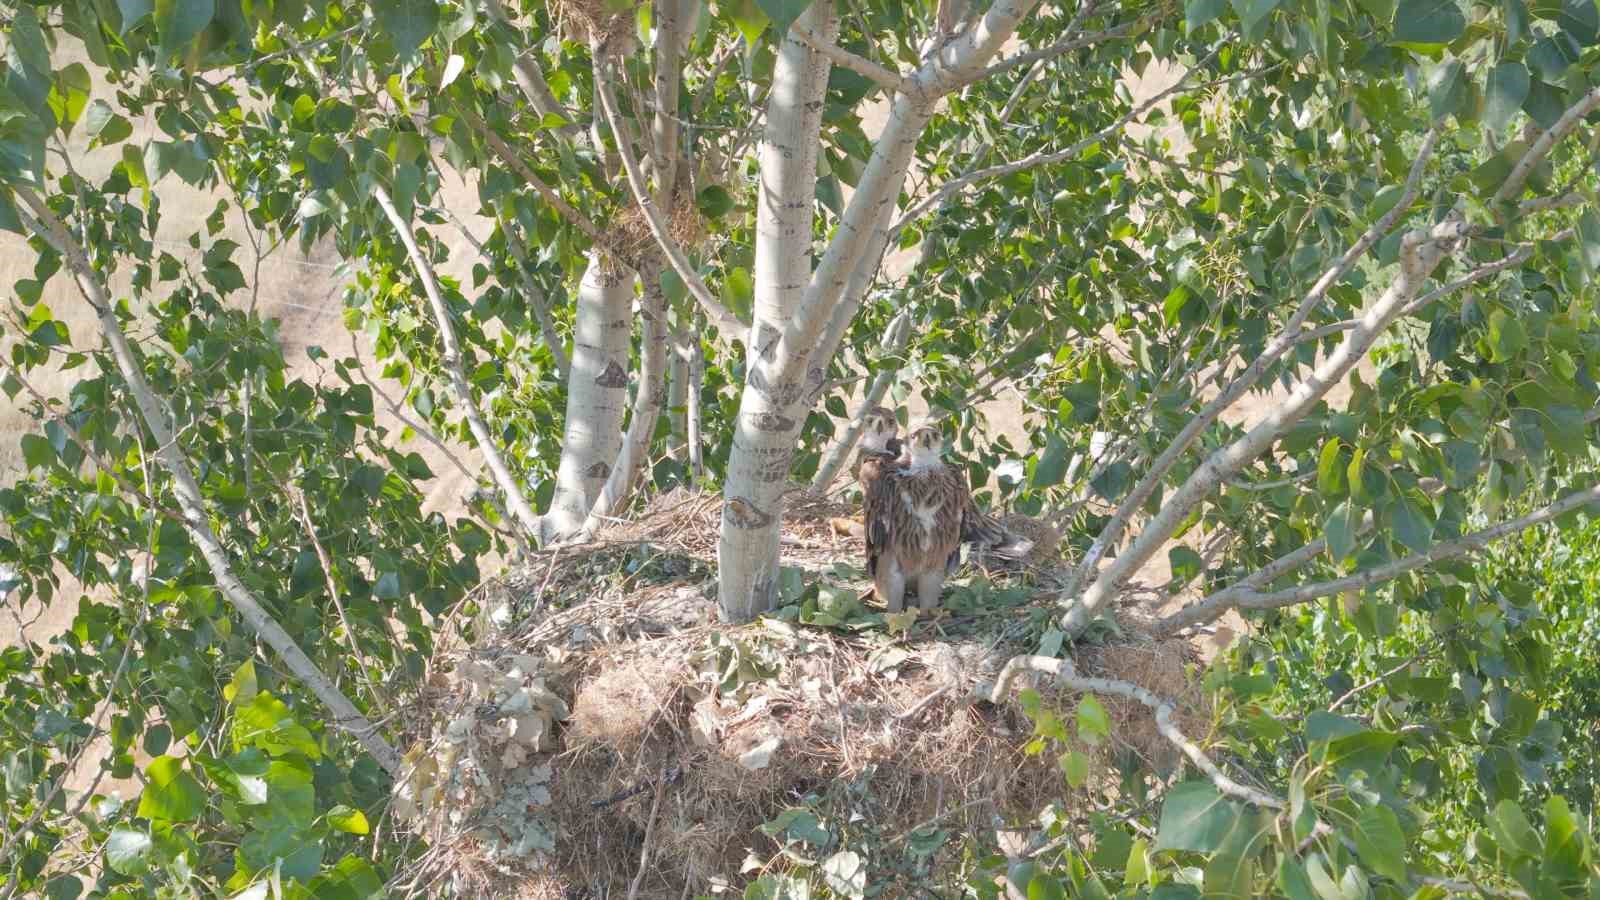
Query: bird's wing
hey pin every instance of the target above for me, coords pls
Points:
(878, 477)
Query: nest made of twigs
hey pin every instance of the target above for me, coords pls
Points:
(597, 681)
(606, 25)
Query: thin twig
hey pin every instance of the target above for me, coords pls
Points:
(649, 834)
(1066, 674)
(872, 71)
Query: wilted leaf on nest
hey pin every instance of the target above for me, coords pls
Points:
(899, 623)
(758, 757)
(886, 658)
(846, 873)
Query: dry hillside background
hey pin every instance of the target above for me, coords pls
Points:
(303, 292)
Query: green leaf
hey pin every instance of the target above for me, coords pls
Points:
(37, 452)
(171, 794)
(1075, 766)
(1052, 466)
(1544, 104)
(1094, 725)
(350, 821)
(104, 125)
(1513, 830)
(133, 12)
(782, 13)
(1566, 429)
(750, 20)
(1201, 12)
(1426, 25)
(1185, 563)
(714, 201)
(1253, 12)
(157, 739)
(1507, 88)
(407, 22)
(1293, 881)
(1506, 336)
(179, 21)
(1043, 886)
(1330, 475)
(1195, 817)
(1381, 843)
(1340, 531)
(128, 851)
(1412, 526)
(1446, 89)
(1581, 20)
(1589, 239)
(27, 41)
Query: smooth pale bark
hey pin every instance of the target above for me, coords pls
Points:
(796, 316)
(770, 412)
(597, 393)
(1420, 253)
(649, 397)
(677, 401)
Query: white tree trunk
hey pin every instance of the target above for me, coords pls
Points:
(649, 396)
(597, 392)
(770, 410)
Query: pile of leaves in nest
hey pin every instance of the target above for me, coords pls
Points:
(600, 724)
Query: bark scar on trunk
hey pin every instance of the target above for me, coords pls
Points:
(741, 513)
(767, 338)
(773, 423)
(613, 377)
(599, 470)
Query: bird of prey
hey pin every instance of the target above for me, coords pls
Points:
(915, 511)
(878, 464)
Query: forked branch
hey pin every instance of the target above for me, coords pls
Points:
(727, 323)
(1476, 542)
(190, 499)
(451, 360)
(1066, 674)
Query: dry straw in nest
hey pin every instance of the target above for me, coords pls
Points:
(605, 24)
(640, 713)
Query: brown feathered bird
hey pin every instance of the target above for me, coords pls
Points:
(919, 511)
(878, 463)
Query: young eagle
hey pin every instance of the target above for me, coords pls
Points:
(916, 511)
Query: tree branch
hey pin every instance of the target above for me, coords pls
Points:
(530, 80)
(1420, 253)
(451, 359)
(1285, 339)
(535, 297)
(1512, 188)
(1062, 47)
(88, 451)
(192, 501)
(1066, 674)
(1516, 258)
(509, 157)
(1036, 160)
(891, 81)
(727, 323)
(1474, 542)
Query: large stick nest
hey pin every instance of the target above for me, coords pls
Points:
(596, 681)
